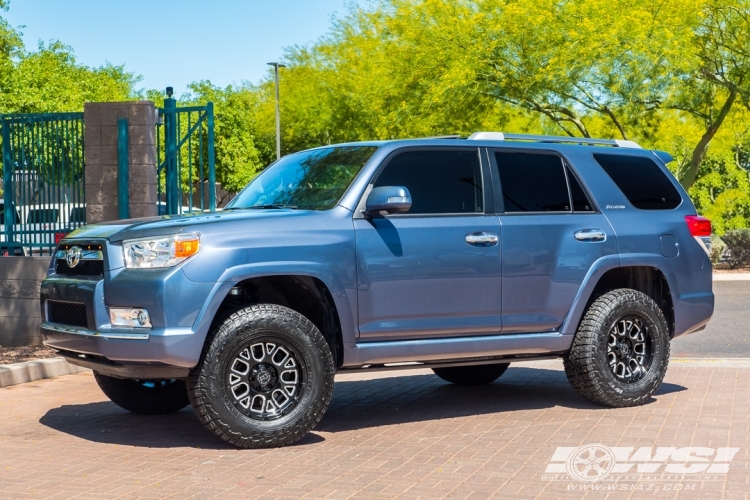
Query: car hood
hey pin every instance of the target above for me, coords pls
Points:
(127, 229)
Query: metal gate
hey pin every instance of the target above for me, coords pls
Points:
(185, 146)
(43, 181)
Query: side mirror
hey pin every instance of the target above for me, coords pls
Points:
(389, 199)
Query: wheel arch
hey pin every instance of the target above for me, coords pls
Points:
(305, 293)
(638, 273)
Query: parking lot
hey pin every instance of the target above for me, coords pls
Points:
(398, 434)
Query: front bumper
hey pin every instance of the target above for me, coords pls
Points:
(172, 346)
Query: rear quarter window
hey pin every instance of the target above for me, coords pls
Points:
(641, 180)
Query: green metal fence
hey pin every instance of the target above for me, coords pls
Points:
(185, 147)
(43, 181)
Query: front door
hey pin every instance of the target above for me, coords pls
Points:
(435, 271)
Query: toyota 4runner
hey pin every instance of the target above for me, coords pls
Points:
(460, 255)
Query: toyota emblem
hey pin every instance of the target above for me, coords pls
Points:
(73, 257)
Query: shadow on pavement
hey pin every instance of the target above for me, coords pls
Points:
(355, 405)
(397, 400)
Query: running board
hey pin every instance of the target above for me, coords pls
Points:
(413, 365)
(459, 349)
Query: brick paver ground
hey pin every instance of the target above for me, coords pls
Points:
(385, 436)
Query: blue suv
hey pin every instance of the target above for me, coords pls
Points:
(460, 255)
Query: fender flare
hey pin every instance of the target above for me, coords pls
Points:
(236, 274)
(597, 270)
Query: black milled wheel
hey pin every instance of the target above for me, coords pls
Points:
(621, 350)
(471, 375)
(265, 378)
(146, 397)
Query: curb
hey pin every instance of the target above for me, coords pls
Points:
(28, 371)
(731, 277)
(711, 362)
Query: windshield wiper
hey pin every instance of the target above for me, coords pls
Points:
(270, 205)
(273, 205)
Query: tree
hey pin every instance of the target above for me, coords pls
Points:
(237, 159)
(50, 80)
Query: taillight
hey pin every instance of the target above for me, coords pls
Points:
(699, 227)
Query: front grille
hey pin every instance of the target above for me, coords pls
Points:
(91, 262)
(84, 268)
(67, 313)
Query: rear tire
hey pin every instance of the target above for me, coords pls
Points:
(473, 374)
(145, 397)
(620, 352)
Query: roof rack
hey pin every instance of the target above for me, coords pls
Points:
(500, 136)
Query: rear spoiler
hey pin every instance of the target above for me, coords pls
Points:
(663, 156)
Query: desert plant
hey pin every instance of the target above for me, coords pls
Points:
(738, 247)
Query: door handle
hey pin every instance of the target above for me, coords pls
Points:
(591, 235)
(482, 239)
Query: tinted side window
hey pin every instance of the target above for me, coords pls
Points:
(641, 180)
(533, 182)
(440, 182)
(581, 202)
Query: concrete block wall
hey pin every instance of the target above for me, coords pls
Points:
(20, 277)
(20, 314)
(100, 139)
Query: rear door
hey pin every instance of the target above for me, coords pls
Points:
(552, 234)
(434, 271)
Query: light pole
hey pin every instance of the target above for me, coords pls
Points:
(276, 67)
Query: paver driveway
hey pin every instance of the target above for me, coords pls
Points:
(385, 435)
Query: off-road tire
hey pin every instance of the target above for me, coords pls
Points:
(145, 397)
(587, 365)
(210, 384)
(472, 375)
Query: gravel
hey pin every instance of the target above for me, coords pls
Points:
(28, 353)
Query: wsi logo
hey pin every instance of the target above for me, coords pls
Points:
(596, 462)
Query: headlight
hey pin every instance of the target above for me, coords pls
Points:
(160, 252)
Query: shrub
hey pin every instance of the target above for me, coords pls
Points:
(718, 248)
(738, 247)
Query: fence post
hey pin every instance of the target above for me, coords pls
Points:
(123, 170)
(170, 152)
(211, 172)
(8, 208)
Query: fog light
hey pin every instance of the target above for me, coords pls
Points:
(129, 317)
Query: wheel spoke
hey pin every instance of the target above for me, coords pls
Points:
(263, 379)
(628, 349)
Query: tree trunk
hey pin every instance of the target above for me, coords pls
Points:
(688, 178)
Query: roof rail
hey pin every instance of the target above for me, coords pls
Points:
(500, 136)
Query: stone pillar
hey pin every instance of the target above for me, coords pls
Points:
(100, 156)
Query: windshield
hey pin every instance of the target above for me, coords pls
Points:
(314, 180)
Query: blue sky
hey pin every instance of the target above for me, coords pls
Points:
(178, 42)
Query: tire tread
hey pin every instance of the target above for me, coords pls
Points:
(199, 381)
(581, 363)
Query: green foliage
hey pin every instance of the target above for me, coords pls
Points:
(50, 80)
(738, 247)
(722, 193)
(718, 247)
(236, 157)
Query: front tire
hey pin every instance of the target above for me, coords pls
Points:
(471, 375)
(265, 379)
(620, 352)
(145, 397)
